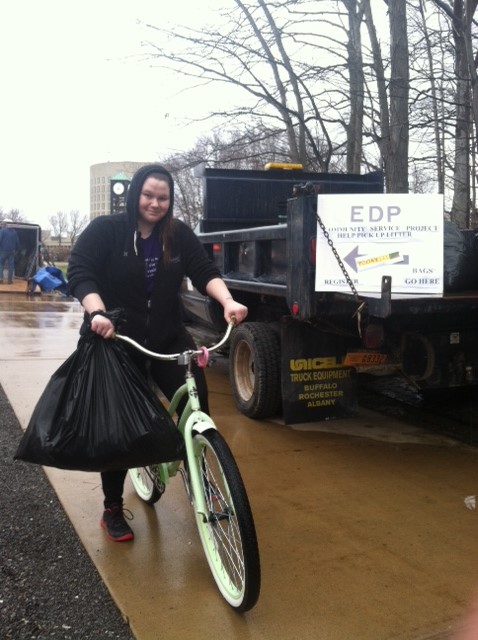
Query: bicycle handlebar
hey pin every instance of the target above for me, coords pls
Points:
(175, 356)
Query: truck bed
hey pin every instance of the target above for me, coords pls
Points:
(257, 262)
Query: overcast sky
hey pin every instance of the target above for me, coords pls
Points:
(72, 94)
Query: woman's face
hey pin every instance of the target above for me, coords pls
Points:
(154, 200)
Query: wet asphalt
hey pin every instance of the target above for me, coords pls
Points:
(49, 588)
(363, 525)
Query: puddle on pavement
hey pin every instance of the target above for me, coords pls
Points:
(36, 304)
(380, 428)
(38, 327)
(39, 312)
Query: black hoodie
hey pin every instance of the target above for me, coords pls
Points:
(107, 260)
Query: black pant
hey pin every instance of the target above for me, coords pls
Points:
(168, 376)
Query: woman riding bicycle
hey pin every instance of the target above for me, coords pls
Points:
(136, 261)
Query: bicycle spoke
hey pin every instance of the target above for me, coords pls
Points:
(224, 530)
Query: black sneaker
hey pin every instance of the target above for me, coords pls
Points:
(115, 525)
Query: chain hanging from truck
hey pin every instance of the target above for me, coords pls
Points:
(310, 188)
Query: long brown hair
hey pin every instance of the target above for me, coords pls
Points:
(167, 234)
(167, 224)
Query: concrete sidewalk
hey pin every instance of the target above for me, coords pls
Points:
(49, 587)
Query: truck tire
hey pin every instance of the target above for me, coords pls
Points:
(255, 370)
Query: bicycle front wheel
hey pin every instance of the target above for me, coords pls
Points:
(147, 483)
(227, 530)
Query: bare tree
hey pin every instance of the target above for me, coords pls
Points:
(76, 224)
(472, 60)
(397, 170)
(250, 149)
(338, 92)
(307, 81)
(252, 55)
(459, 13)
(59, 224)
(436, 93)
(460, 208)
(355, 10)
(14, 215)
(187, 193)
(380, 130)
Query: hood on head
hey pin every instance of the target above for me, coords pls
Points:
(134, 190)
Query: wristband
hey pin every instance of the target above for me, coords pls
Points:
(98, 312)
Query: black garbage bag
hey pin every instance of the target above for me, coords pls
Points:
(98, 413)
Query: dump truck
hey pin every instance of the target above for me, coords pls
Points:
(307, 338)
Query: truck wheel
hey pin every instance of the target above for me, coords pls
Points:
(255, 370)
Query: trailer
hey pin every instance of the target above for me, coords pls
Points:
(301, 350)
(27, 256)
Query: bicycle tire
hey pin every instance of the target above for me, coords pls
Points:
(147, 484)
(228, 536)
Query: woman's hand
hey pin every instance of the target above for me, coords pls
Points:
(216, 288)
(102, 326)
(95, 308)
(233, 309)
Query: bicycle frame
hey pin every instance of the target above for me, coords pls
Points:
(192, 417)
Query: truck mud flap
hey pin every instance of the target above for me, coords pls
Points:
(314, 385)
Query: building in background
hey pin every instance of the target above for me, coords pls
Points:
(108, 185)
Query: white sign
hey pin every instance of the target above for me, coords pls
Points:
(375, 235)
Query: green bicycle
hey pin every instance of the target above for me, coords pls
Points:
(214, 486)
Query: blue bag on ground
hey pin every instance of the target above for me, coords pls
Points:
(98, 413)
(50, 279)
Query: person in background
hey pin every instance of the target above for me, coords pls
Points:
(9, 243)
(137, 261)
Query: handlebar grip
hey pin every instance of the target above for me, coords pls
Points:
(203, 358)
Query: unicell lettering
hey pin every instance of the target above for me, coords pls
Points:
(306, 364)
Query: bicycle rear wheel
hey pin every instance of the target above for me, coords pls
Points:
(147, 483)
(227, 533)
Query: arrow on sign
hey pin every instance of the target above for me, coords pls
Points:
(351, 258)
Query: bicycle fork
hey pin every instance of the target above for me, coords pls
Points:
(196, 421)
